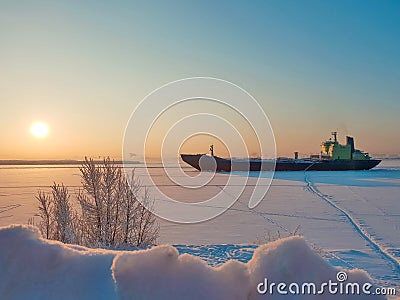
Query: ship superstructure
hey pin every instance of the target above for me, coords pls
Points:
(332, 149)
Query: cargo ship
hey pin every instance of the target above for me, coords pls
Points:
(333, 157)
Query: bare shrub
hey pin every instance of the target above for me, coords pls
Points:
(110, 215)
(270, 236)
(145, 231)
(57, 217)
(62, 213)
(45, 213)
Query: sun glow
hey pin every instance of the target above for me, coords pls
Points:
(39, 129)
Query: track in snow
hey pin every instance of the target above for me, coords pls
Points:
(357, 226)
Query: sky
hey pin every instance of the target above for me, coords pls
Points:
(83, 67)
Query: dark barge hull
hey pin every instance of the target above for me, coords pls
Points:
(227, 165)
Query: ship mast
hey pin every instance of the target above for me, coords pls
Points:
(334, 133)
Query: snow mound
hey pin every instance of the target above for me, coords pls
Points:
(161, 272)
(34, 268)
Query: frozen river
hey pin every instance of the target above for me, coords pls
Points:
(351, 217)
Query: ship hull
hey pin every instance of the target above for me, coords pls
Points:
(228, 165)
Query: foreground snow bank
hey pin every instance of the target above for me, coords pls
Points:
(34, 268)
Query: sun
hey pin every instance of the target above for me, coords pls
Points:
(39, 129)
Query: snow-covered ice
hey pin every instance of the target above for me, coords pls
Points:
(351, 218)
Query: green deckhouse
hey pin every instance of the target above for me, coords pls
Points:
(333, 150)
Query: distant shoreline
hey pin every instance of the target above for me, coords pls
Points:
(19, 162)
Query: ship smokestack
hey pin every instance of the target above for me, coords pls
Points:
(296, 155)
(350, 141)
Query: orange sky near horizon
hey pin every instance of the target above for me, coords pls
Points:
(71, 146)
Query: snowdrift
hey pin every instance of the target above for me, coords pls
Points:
(34, 268)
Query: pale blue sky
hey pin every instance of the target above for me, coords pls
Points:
(314, 66)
